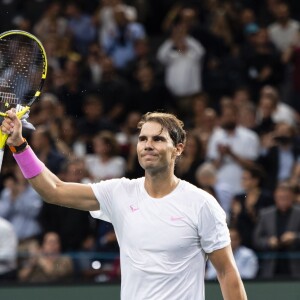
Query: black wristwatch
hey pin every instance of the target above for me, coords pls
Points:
(20, 148)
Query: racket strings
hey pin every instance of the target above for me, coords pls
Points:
(21, 68)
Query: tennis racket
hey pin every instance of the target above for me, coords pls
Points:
(23, 70)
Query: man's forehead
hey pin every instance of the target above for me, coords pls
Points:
(153, 129)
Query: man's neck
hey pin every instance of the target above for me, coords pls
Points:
(158, 186)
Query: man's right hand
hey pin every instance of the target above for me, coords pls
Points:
(12, 126)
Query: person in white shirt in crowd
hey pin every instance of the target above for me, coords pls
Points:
(245, 258)
(283, 31)
(182, 56)
(206, 176)
(166, 227)
(8, 251)
(232, 147)
(105, 162)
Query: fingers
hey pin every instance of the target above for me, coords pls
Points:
(8, 122)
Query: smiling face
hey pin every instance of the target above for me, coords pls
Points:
(155, 148)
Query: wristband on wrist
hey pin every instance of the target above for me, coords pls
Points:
(20, 148)
(29, 163)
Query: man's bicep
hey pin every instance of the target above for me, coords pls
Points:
(222, 260)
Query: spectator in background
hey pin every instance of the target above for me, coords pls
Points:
(105, 163)
(81, 27)
(277, 231)
(105, 19)
(283, 31)
(8, 251)
(114, 91)
(231, 148)
(44, 145)
(94, 120)
(192, 158)
(20, 205)
(72, 226)
(150, 94)
(262, 63)
(279, 155)
(92, 69)
(182, 57)
(118, 43)
(282, 112)
(206, 177)
(48, 265)
(51, 23)
(245, 258)
(72, 87)
(127, 135)
(144, 56)
(246, 206)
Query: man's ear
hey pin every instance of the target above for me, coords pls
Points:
(179, 149)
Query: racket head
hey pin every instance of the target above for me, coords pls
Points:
(23, 69)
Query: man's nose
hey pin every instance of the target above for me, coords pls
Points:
(148, 144)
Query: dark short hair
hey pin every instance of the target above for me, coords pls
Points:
(170, 122)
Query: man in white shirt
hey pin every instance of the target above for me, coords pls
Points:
(232, 147)
(283, 32)
(165, 227)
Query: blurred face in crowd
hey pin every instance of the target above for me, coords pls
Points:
(51, 243)
(248, 181)
(282, 13)
(229, 118)
(284, 198)
(235, 239)
(283, 134)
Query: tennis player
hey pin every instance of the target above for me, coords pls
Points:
(166, 227)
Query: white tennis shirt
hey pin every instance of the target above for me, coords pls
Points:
(163, 242)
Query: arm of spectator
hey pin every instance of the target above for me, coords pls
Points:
(164, 54)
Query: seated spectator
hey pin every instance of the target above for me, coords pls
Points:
(20, 204)
(279, 155)
(49, 264)
(105, 163)
(118, 43)
(44, 146)
(245, 258)
(150, 94)
(93, 120)
(190, 160)
(245, 206)
(277, 235)
(73, 226)
(8, 251)
(206, 177)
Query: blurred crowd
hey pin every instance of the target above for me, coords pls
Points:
(230, 69)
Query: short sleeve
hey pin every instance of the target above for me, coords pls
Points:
(212, 227)
(104, 194)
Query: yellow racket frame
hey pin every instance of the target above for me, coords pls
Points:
(22, 112)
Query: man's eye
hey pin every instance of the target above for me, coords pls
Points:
(158, 138)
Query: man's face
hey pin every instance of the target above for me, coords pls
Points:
(155, 149)
(284, 199)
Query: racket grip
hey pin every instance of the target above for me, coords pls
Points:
(29, 163)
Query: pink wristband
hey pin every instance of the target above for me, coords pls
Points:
(28, 162)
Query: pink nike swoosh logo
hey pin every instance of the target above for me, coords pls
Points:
(176, 218)
(133, 208)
